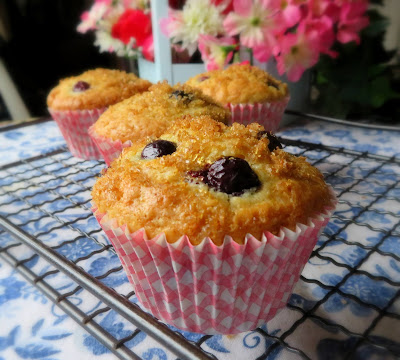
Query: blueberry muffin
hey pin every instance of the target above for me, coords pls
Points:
(208, 216)
(204, 179)
(149, 115)
(249, 92)
(240, 84)
(95, 89)
(77, 102)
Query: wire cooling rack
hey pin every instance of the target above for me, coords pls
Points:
(45, 206)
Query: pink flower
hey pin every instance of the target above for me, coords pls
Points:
(290, 13)
(86, 24)
(255, 23)
(216, 52)
(171, 25)
(262, 53)
(352, 20)
(324, 27)
(318, 8)
(90, 18)
(299, 52)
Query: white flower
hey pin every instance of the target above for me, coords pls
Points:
(196, 18)
(129, 50)
(107, 43)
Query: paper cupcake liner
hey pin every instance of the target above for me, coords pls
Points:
(109, 149)
(268, 114)
(74, 125)
(213, 289)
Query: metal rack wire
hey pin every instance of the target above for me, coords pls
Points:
(54, 189)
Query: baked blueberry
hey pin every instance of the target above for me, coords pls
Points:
(273, 140)
(203, 78)
(157, 149)
(81, 86)
(200, 175)
(229, 174)
(185, 97)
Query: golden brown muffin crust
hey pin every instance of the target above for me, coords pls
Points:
(152, 112)
(240, 84)
(107, 87)
(159, 195)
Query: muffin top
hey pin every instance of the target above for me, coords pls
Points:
(240, 84)
(152, 112)
(204, 179)
(95, 89)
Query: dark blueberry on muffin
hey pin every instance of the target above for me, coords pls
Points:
(81, 86)
(273, 140)
(199, 175)
(158, 148)
(232, 175)
(183, 96)
(229, 174)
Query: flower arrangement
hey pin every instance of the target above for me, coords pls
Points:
(293, 32)
(120, 26)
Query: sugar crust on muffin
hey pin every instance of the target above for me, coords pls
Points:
(159, 195)
(106, 87)
(240, 84)
(152, 112)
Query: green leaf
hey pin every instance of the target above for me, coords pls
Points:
(378, 24)
(321, 79)
(381, 91)
(359, 82)
(375, 70)
(376, 2)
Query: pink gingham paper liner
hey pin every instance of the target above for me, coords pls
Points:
(213, 289)
(74, 125)
(109, 149)
(268, 114)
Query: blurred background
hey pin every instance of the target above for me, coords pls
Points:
(39, 45)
